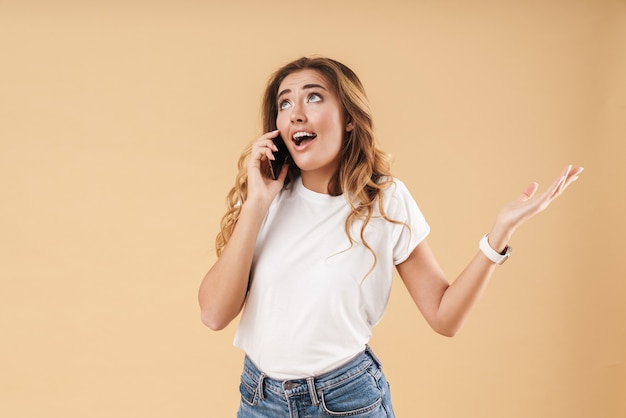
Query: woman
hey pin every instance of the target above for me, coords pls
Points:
(309, 256)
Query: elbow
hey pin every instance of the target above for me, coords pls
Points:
(213, 322)
(217, 316)
(447, 330)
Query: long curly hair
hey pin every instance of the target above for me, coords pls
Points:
(364, 170)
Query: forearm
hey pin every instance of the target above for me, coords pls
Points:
(460, 297)
(223, 290)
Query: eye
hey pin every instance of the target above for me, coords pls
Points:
(314, 97)
(284, 104)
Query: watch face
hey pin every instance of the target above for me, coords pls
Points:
(507, 253)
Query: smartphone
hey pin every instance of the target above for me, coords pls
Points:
(280, 157)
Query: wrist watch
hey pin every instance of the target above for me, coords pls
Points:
(492, 254)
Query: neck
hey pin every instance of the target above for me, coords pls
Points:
(316, 182)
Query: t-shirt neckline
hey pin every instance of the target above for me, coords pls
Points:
(315, 196)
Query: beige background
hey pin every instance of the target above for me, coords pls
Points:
(120, 125)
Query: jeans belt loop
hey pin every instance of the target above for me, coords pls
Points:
(261, 387)
(312, 391)
(369, 351)
(376, 361)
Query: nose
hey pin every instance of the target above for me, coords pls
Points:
(297, 114)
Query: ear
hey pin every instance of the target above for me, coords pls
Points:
(349, 126)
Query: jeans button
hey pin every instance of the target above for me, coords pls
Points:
(289, 385)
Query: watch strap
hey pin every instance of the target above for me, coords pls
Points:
(491, 254)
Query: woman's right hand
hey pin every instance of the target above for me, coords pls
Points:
(261, 187)
(224, 288)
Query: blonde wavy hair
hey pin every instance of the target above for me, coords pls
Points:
(364, 170)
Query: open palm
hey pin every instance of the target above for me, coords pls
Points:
(529, 203)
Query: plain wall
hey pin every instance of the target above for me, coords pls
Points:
(120, 127)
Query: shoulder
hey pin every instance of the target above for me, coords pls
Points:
(398, 201)
(395, 189)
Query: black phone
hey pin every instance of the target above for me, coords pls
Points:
(280, 157)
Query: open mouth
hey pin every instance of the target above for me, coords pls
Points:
(300, 137)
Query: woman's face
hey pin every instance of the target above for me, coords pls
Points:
(312, 122)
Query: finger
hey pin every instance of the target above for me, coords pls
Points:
(529, 192)
(574, 173)
(267, 153)
(557, 185)
(267, 140)
(567, 169)
(264, 148)
(572, 177)
(265, 144)
(270, 136)
(560, 186)
(259, 151)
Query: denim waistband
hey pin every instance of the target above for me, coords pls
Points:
(359, 364)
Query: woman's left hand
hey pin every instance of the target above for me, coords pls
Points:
(529, 203)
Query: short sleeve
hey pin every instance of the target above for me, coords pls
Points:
(413, 228)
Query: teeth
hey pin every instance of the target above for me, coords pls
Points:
(298, 137)
(301, 134)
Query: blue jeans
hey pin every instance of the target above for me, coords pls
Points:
(356, 389)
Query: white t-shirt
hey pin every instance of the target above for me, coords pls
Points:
(312, 304)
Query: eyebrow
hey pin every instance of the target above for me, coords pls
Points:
(305, 87)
